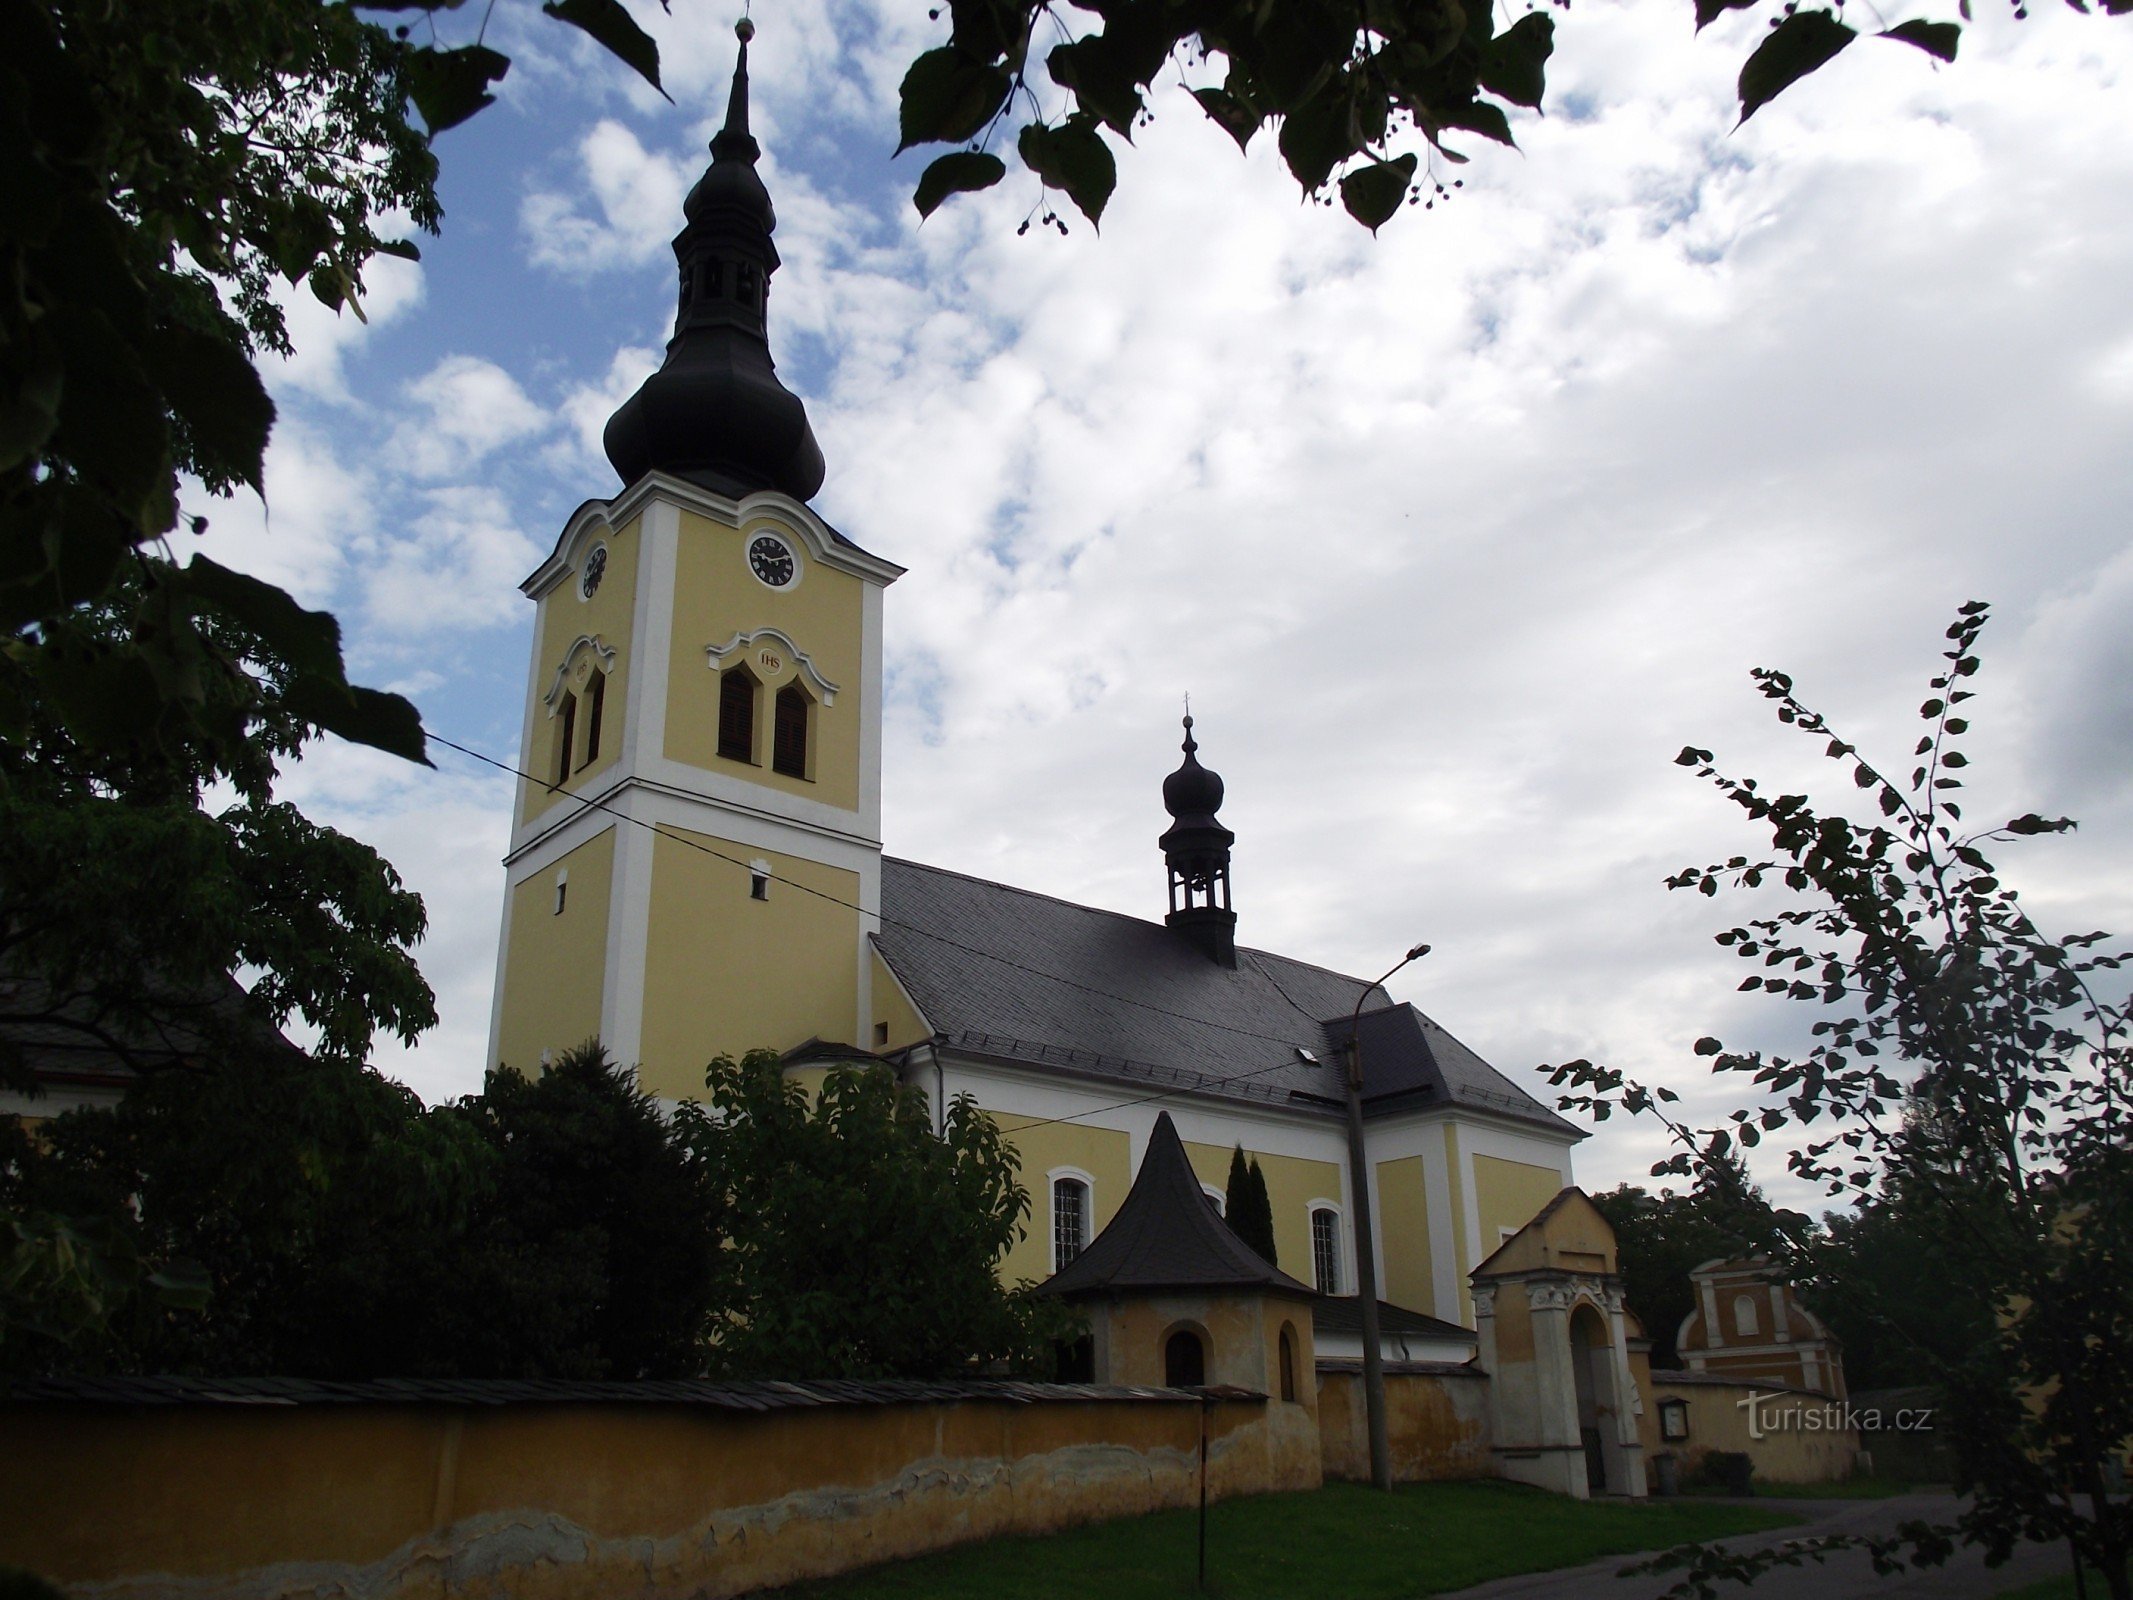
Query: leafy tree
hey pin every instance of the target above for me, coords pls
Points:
(1931, 984)
(1248, 1209)
(1364, 92)
(862, 1241)
(1660, 1239)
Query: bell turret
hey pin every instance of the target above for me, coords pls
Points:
(1196, 849)
(715, 413)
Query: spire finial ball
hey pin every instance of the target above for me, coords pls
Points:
(744, 30)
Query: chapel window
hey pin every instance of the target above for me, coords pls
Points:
(1288, 1363)
(1184, 1360)
(1070, 1220)
(736, 714)
(595, 707)
(566, 734)
(1326, 1249)
(1744, 1318)
(788, 732)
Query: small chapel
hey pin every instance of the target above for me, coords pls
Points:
(696, 866)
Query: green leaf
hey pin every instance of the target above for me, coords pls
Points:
(615, 30)
(1797, 46)
(405, 249)
(1514, 63)
(1230, 114)
(1072, 157)
(956, 173)
(361, 716)
(1935, 38)
(310, 641)
(1485, 119)
(1099, 80)
(216, 393)
(986, 30)
(1318, 136)
(111, 418)
(1709, 11)
(449, 86)
(949, 97)
(1373, 193)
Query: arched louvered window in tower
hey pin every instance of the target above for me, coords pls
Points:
(595, 706)
(736, 714)
(566, 734)
(788, 732)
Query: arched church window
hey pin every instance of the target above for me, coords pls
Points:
(566, 734)
(1744, 1317)
(595, 707)
(1184, 1360)
(1070, 1220)
(1326, 1249)
(788, 732)
(1288, 1362)
(736, 714)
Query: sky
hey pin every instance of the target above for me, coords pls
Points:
(1454, 535)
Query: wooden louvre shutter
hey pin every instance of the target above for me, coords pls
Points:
(788, 732)
(736, 715)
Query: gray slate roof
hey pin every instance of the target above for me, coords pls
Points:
(1003, 973)
(1165, 1235)
(1343, 1313)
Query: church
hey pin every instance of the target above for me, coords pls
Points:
(696, 866)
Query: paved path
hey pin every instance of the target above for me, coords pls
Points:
(1849, 1576)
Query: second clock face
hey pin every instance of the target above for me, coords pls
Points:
(772, 560)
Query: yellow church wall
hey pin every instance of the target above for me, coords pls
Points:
(1292, 1183)
(1105, 1154)
(1461, 1263)
(565, 618)
(726, 973)
(715, 598)
(554, 979)
(896, 1021)
(1508, 1194)
(1403, 1210)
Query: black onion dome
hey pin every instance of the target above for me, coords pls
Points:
(1192, 794)
(715, 412)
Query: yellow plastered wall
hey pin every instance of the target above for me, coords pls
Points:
(1461, 1263)
(555, 969)
(1403, 1209)
(1509, 1194)
(726, 973)
(1292, 1183)
(717, 597)
(565, 617)
(1105, 1154)
(894, 1013)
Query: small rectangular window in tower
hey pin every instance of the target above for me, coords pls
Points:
(595, 705)
(788, 732)
(1326, 1250)
(562, 890)
(736, 715)
(759, 880)
(566, 734)
(881, 1035)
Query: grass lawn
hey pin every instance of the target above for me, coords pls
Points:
(1847, 1489)
(1341, 1540)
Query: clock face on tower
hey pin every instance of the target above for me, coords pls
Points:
(772, 560)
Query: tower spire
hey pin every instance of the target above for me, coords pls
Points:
(1196, 850)
(715, 412)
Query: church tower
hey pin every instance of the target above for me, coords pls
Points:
(695, 863)
(1196, 850)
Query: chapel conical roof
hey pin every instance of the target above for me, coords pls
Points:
(715, 413)
(1168, 1235)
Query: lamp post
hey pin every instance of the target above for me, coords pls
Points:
(1366, 1266)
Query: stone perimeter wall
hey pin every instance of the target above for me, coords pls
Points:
(581, 1501)
(1436, 1424)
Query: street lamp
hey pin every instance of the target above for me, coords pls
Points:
(1366, 1266)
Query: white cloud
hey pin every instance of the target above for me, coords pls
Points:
(321, 339)
(587, 407)
(638, 194)
(468, 408)
(298, 536)
(455, 566)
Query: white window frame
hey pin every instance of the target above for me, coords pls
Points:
(1340, 1244)
(1052, 1181)
(1220, 1199)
